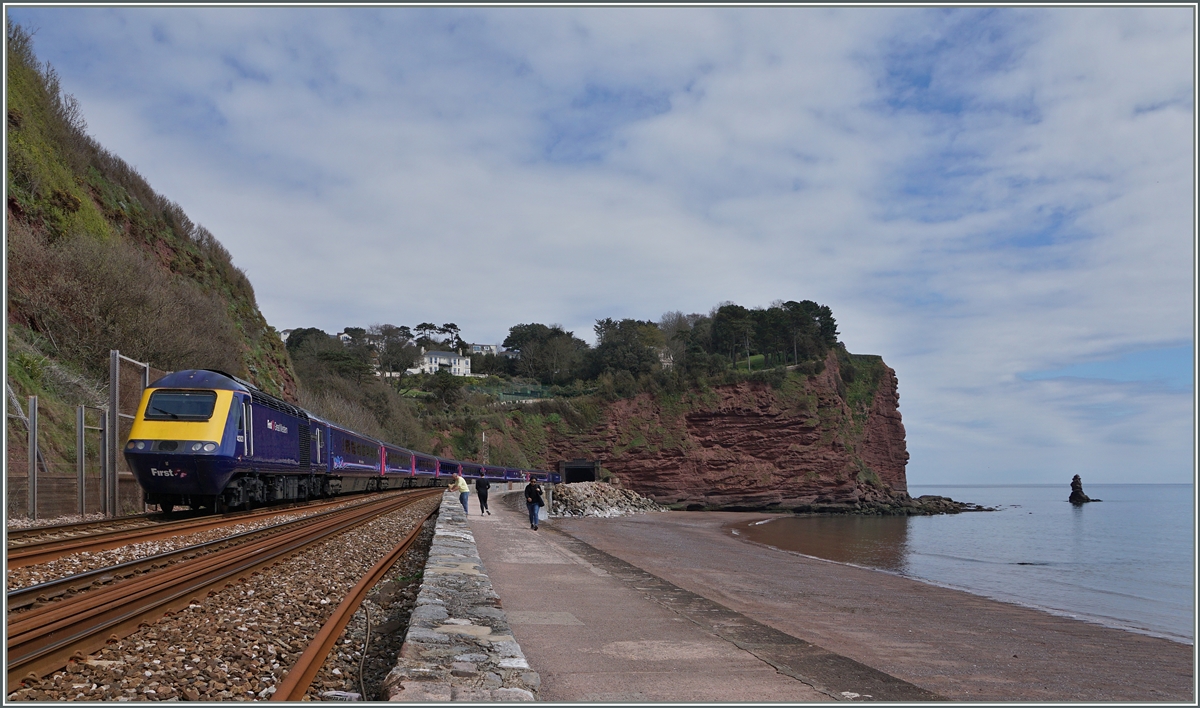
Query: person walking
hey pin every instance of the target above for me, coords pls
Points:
(458, 484)
(533, 500)
(481, 490)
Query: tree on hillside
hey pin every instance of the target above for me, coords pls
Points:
(733, 329)
(453, 341)
(384, 333)
(547, 353)
(318, 356)
(676, 329)
(519, 336)
(299, 336)
(810, 328)
(490, 364)
(425, 332)
(358, 335)
(626, 345)
(446, 385)
(396, 350)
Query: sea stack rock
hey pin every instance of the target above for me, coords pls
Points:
(1078, 498)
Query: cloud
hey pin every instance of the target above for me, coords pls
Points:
(1170, 367)
(978, 193)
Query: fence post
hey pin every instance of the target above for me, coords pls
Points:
(80, 453)
(112, 485)
(33, 456)
(104, 462)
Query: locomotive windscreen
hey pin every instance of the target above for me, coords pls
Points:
(181, 405)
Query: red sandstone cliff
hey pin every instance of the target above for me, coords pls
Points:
(818, 442)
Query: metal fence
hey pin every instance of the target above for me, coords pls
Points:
(99, 481)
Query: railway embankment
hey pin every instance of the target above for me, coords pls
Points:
(235, 640)
(459, 646)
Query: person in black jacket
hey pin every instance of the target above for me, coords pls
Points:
(481, 491)
(533, 500)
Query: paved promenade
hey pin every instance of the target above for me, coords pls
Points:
(597, 629)
(669, 607)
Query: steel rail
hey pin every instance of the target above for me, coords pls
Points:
(300, 675)
(35, 553)
(80, 582)
(20, 535)
(45, 639)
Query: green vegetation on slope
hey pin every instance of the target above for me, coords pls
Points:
(98, 261)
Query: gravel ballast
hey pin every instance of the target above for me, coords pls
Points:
(17, 578)
(237, 643)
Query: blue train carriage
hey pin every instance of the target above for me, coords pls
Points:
(425, 467)
(471, 470)
(204, 438)
(355, 462)
(397, 462)
(446, 467)
(542, 476)
(493, 474)
(404, 468)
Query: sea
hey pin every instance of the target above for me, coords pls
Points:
(1127, 561)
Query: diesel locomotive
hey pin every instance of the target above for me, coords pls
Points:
(206, 439)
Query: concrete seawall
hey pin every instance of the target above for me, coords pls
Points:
(459, 646)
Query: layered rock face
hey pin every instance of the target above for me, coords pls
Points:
(812, 444)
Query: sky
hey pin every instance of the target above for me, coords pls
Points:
(1000, 201)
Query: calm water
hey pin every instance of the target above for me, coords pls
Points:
(1125, 562)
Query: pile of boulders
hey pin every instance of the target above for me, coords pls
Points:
(599, 499)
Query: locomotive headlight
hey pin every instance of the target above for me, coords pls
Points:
(196, 447)
(141, 445)
(209, 447)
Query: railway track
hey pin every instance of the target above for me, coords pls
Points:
(32, 549)
(52, 590)
(295, 685)
(48, 635)
(35, 534)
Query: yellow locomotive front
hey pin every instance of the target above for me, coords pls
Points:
(185, 445)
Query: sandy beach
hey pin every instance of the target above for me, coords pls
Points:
(955, 644)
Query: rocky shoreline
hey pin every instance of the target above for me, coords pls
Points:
(925, 505)
(603, 500)
(598, 499)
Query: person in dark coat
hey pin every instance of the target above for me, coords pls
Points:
(481, 491)
(533, 500)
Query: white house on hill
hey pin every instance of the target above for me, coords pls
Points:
(456, 364)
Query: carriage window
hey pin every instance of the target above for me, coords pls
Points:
(181, 405)
(353, 447)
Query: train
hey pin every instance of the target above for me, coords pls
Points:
(205, 439)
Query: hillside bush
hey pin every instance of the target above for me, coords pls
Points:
(87, 297)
